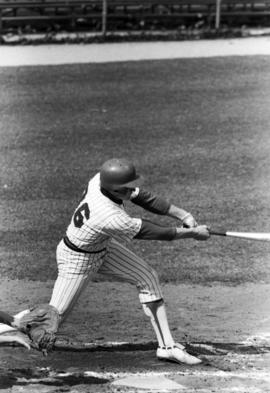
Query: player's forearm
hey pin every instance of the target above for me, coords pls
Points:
(161, 206)
(184, 233)
(177, 212)
(200, 232)
(152, 231)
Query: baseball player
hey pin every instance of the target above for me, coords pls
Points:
(94, 242)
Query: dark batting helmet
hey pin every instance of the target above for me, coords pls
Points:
(118, 172)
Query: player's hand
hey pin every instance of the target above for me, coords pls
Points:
(189, 221)
(41, 325)
(201, 232)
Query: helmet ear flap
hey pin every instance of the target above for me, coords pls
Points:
(118, 172)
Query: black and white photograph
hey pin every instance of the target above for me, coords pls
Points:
(135, 196)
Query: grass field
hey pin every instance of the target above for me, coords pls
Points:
(198, 129)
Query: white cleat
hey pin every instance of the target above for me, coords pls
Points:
(178, 354)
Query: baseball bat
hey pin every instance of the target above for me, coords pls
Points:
(263, 237)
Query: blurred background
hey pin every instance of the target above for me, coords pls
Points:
(129, 18)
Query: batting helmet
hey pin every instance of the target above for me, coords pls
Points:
(118, 172)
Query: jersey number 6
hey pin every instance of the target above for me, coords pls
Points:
(81, 214)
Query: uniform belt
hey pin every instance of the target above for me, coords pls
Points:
(72, 246)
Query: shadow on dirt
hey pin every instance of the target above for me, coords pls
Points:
(23, 377)
(195, 348)
(223, 348)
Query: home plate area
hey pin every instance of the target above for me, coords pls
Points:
(226, 368)
(199, 382)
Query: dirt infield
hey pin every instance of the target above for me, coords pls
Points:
(122, 371)
(214, 314)
(227, 327)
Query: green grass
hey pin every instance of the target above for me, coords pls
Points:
(198, 129)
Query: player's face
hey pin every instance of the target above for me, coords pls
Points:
(122, 193)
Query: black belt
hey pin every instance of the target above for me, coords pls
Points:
(77, 249)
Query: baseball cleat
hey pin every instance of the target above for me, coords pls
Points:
(178, 354)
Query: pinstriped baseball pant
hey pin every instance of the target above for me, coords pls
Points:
(118, 262)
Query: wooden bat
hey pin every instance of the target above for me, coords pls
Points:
(263, 237)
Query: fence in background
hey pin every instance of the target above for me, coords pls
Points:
(105, 15)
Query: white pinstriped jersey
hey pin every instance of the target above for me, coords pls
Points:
(97, 219)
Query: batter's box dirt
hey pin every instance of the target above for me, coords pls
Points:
(225, 368)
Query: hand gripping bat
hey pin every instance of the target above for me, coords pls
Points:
(263, 237)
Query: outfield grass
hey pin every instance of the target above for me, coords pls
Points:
(198, 129)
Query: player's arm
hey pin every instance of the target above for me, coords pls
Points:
(152, 231)
(187, 218)
(158, 205)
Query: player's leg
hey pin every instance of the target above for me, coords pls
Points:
(74, 272)
(122, 264)
(156, 311)
(66, 292)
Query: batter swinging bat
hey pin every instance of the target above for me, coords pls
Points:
(264, 237)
